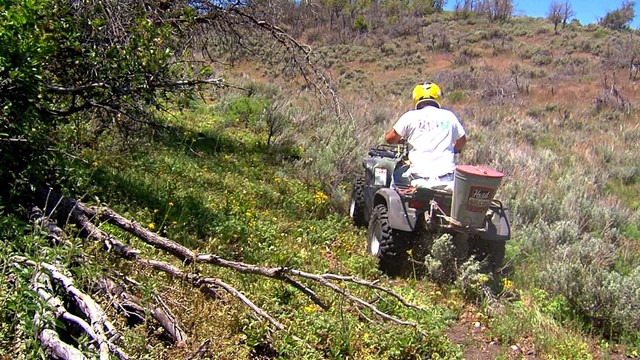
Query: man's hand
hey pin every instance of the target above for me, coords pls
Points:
(393, 137)
(459, 144)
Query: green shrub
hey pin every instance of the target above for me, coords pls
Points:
(456, 96)
(360, 24)
(581, 271)
(542, 58)
(441, 263)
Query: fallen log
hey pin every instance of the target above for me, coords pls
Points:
(50, 341)
(133, 309)
(81, 214)
(98, 327)
(204, 282)
(67, 210)
(280, 273)
(56, 348)
(40, 221)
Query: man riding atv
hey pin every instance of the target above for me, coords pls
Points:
(407, 206)
(434, 135)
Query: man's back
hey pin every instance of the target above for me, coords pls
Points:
(431, 132)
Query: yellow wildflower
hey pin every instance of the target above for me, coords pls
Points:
(311, 308)
(94, 164)
(507, 284)
(151, 226)
(320, 197)
(170, 203)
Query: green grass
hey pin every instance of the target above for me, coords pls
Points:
(211, 183)
(226, 193)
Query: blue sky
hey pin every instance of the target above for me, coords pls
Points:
(587, 11)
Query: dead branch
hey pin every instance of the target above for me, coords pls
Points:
(126, 303)
(170, 325)
(372, 285)
(200, 351)
(198, 281)
(54, 233)
(340, 290)
(49, 339)
(52, 345)
(42, 287)
(132, 307)
(181, 252)
(187, 255)
(99, 327)
(292, 45)
(69, 210)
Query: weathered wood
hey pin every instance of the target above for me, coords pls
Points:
(54, 233)
(170, 325)
(49, 339)
(54, 347)
(66, 209)
(201, 351)
(188, 256)
(126, 303)
(183, 253)
(280, 273)
(132, 307)
(98, 327)
(204, 282)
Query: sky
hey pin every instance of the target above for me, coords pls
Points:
(587, 11)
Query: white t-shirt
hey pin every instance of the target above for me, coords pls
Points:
(431, 133)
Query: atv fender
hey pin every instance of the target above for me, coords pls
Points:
(498, 227)
(371, 163)
(400, 216)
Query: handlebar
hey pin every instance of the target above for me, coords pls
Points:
(389, 150)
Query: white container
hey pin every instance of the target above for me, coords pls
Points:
(473, 190)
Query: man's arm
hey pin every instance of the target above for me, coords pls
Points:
(392, 137)
(459, 144)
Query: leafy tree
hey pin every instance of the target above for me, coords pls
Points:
(71, 72)
(60, 61)
(620, 18)
(425, 7)
(494, 9)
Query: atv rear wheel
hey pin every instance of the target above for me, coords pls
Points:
(491, 253)
(385, 243)
(357, 207)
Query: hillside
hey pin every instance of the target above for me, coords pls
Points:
(225, 210)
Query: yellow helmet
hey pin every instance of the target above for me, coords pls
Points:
(427, 91)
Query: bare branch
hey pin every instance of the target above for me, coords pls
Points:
(198, 281)
(99, 326)
(53, 345)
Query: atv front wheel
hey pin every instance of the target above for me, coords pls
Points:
(357, 207)
(386, 244)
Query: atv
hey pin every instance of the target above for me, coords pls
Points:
(400, 217)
